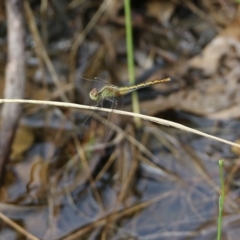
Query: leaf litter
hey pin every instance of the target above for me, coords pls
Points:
(169, 188)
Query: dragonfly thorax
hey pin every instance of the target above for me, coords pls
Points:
(94, 95)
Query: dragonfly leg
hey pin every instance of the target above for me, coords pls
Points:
(99, 104)
(113, 101)
(113, 106)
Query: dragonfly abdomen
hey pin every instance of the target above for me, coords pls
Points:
(129, 89)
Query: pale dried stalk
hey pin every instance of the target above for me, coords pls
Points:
(145, 117)
(15, 78)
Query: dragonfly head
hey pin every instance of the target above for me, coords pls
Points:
(94, 95)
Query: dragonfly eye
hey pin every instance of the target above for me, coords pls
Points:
(94, 94)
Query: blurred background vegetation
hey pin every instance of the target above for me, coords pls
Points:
(67, 180)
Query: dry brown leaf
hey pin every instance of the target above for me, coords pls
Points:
(39, 172)
(236, 150)
(2, 84)
(206, 98)
(23, 140)
(33, 91)
(33, 173)
(161, 10)
(113, 8)
(222, 44)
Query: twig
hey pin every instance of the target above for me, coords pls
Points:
(145, 117)
(116, 215)
(82, 36)
(86, 167)
(41, 50)
(15, 78)
(17, 227)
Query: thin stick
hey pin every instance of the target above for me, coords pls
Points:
(145, 117)
(15, 78)
(80, 38)
(41, 50)
(17, 227)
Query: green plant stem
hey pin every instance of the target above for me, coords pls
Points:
(221, 201)
(131, 74)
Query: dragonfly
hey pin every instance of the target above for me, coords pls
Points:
(111, 92)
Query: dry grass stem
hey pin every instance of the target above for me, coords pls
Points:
(152, 119)
(41, 50)
(17, 227)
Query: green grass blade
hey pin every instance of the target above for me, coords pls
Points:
(131, 72)
(221, 201)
